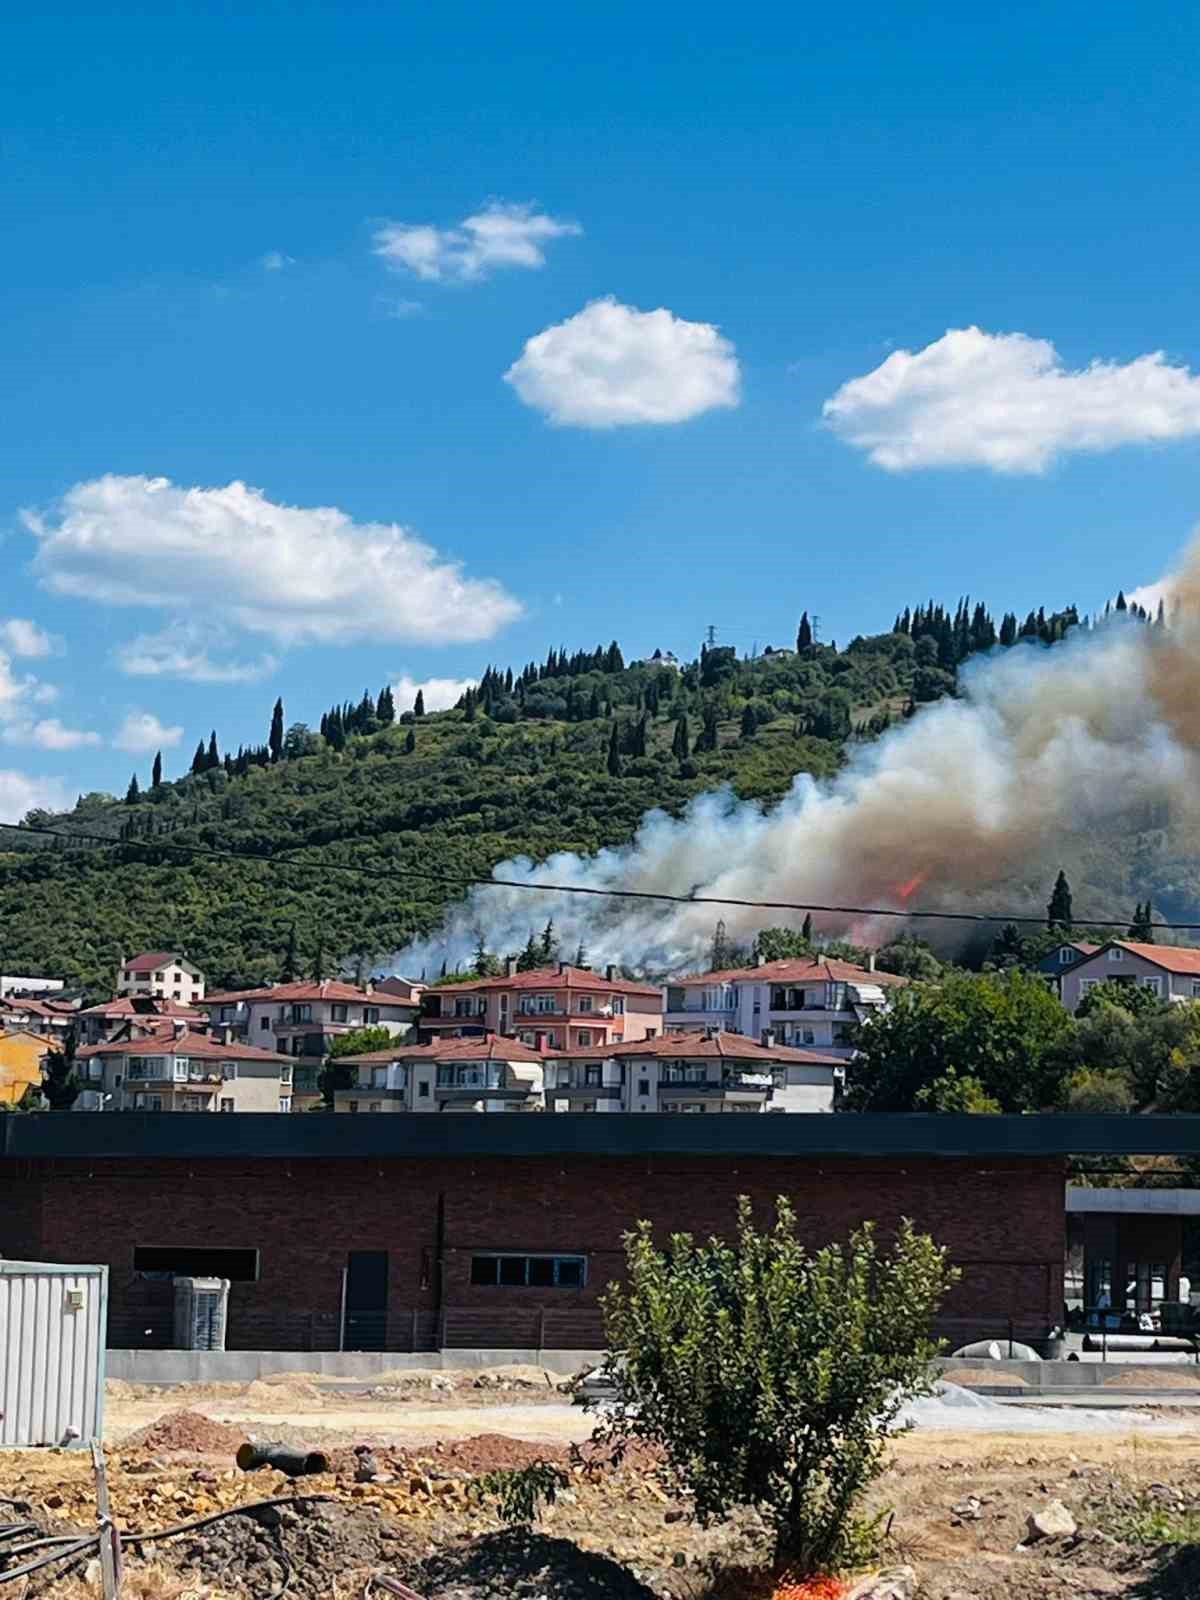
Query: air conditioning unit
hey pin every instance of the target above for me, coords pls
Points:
(201, 1312)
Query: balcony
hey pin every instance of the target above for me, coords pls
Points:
(734, 1084)
(585, 1091)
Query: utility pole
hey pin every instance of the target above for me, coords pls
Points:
(710, 635)
(815, 624)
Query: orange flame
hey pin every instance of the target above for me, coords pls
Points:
(906, 890)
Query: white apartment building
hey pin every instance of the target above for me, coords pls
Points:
(484, 1073)
(162, 975)
(693, 1072)
(303, 1019)
(178, 1070)
(811, 1002)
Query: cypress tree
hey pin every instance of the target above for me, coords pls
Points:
(199, 760)
(291, 961)
(804, 634)
(275, 739)
(749, 721)
(806, 928)
(410, 743)
(1058, 911)
(548, 948)
(614, 752)
(133, 794)
(1121, 604)
(156, 775)
(419, 704)
(213, 758)
(529, 959)
(681, 747)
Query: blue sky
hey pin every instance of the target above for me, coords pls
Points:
(211, 276)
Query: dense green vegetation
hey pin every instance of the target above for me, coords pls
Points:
(565, 754)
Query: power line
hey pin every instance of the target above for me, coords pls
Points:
(282, 859)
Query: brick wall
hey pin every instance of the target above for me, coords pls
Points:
(1002, 1221)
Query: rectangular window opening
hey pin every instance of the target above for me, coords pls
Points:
(199, 1261)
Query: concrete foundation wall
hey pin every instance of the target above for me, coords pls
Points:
(243, 1366)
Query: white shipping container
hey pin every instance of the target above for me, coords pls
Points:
(52, 1327)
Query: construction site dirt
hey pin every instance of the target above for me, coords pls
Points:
(960, 1501)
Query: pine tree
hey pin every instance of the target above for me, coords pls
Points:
(707, 738)
(1141, 929)
(804, 634)
(481, 961)
(1121, 604)
(291, 961)
(133, 794)
(385, 707)
(156, 775)
(419, 704)
(548, 948)
(718, 953)
(410, 743)
(615, 768)
(580, 955)
(275, 738)
(681, 747)
(530, 958)
(1058, 911)
(199, 760)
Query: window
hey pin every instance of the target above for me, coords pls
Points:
(196, 1261)
(264, 1022)
(227, 1105)
(1153, 984)
(285, 1102)
(371, 1015)
(301, 1013)
(375, 1105)
(591, 1076)
(1066, 955)
(1196, 988)
(618, 1005)
(379, 1077)
(533, 1272)
(552, 1041)
(585, 1036)
(1116, 953)
(353, 1106)
(652, 1033)
(340, 1013)
(423, 1090)
(285, 1077)
(147, 1102)
(643, 1086)
(584, 1003)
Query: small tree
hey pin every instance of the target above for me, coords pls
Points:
(133, 794)
(275, 737)
(361, 1042)
(615, 768)
(410, 742)
(1058, 912)
(60, 1081)
(771, 1377)
(156, 774)
(419, 704)
(681, 747)
(291, 960)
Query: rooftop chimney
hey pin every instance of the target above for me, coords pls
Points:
(510, 966)
(562, 967)
(610, 972)
(180, 1027)
(759, 959)
(768, 1038)
(871, 961)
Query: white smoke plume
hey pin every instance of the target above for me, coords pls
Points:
(967, 806)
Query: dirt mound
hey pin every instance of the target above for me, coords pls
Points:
(486, 1452)
(284, 1392)
(1176, 1376)
(972, 1378)
(187, 1431)
(527, 1566)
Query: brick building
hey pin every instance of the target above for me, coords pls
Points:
(404, 1232)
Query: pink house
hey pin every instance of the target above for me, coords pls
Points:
(1171, 971)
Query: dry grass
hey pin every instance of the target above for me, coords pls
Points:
(143, 1581)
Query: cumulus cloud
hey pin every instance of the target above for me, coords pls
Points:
(276, 261)
(300, 574)
(498, 236)
(21, 637)
(142, 732)
(612, 364)
(19, 691)
(1006, 401)
(49, 734)
(183, 650)
(439, 693)
(20, 793)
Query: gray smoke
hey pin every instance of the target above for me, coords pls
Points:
(967, 806)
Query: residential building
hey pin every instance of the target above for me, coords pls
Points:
(304, 1019)
(161, 975)
(180, 1070)
(1171, 971)
(408, 989)
(30, 988)
(1055, 962)
(21, 1057)
(811, 1002)
(549, 1008)
(695, 1072)
(50, 1019)
(134, 1017)
(450, 1074)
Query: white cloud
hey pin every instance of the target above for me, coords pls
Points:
(440, 693)
(498, 236)
(182, 650)
(50, 734)
(25, 638)
(20, 793)
(1151, 595)
(18, 693)
(612, 364)
(275, 261)
(1005, 401)
(296, 573)
(142, 732)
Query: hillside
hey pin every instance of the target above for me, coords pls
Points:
(525, 766)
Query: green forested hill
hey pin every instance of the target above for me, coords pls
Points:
(567, 755)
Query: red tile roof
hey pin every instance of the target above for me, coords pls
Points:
(152, 960)
(486, 1047)
(36, 1008)
(801, 969)
(1171, 957)
(551, 978)
(697, 1047)
(136, 1006)
(197, 1045)
(306, 989)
